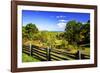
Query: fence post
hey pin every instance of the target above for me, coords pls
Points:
(30, 49)
(48, 54)
(79, 54)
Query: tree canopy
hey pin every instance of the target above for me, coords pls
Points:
(77, 32)
(29, 30)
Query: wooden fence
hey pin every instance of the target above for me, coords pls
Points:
(47, 54)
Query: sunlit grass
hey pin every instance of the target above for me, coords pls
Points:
(26, 58)
(86, 51)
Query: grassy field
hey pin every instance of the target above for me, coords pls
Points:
(26, 58)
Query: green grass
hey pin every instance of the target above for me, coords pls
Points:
(86, 51)
(26, 58)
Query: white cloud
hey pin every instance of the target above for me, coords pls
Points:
(61, 25)
(60, 16)
(62, 20)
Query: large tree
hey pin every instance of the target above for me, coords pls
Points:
(72, 31)
(76, 32)
(85, 33)
(29, 31)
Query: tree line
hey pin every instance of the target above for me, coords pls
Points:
(75, 33)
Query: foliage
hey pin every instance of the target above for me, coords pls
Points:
(85, 32)
(26, 58)
(76, 32)
(28, 31)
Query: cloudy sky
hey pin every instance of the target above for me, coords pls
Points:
(52, 21)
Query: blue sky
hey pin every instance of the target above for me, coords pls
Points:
(52, 21)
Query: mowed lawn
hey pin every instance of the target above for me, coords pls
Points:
(27, 58)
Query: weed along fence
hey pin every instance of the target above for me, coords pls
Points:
(47, 54)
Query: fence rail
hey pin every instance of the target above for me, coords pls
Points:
(47, 54)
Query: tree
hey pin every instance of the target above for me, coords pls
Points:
(24, 35)
(76, 32)
(31, 29)
(72, 31)
(85, 32)
(28, 32)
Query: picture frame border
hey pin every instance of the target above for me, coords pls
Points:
(14, 44)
